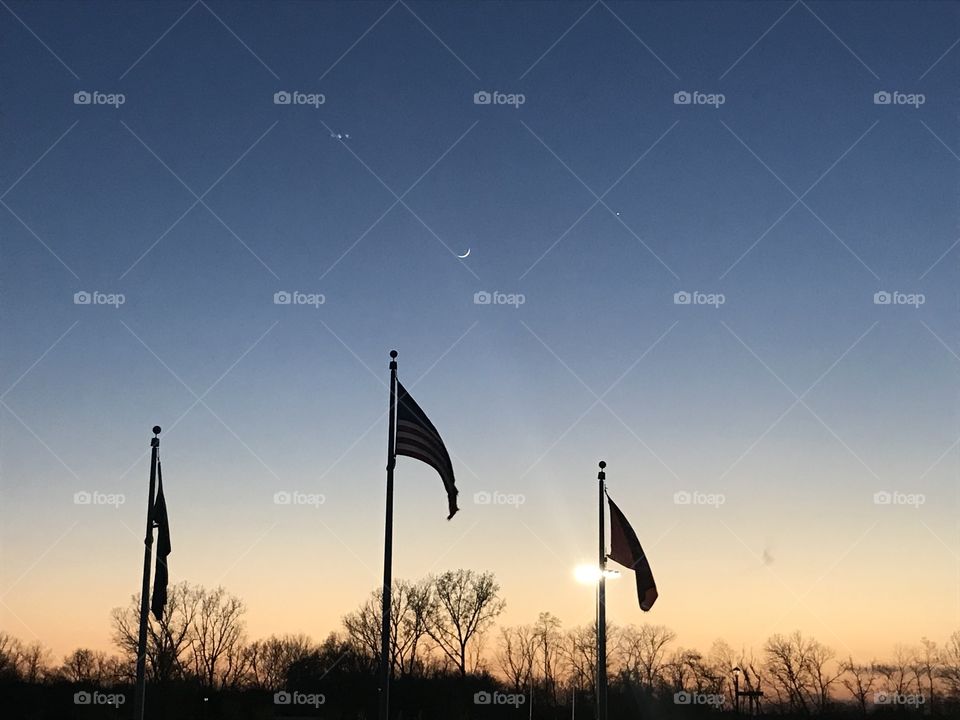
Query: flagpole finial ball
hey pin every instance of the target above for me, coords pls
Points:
(603, 464)
(393, 354)
(156, 429)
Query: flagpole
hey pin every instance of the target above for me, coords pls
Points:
(601, 607)
(138, 705)
(388, 547)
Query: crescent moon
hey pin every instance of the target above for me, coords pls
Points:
(465, 255)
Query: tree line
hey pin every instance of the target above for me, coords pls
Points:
(446, 651)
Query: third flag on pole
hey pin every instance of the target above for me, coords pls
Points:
(625, 549)
(419, 439)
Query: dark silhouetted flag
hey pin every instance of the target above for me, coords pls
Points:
(418, 438)
(159, 600)
(625, 549)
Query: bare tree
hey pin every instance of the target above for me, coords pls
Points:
(786, 663)
(411, 606)
(34, 662)
(463, 605)
(688, 670)
(516, 653)
(860, 681)
(897, 672)
(950, 664)
(363, 629)
(580, 653)
(926, 667)
(217, 641)
(722, 659)
(548, 641)
(91, 666)
(823, 670)
(801, 671)
(643, 652)
(268, 661)
(168, 640)
(10, 649)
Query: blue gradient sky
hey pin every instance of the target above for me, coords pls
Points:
(293, 398)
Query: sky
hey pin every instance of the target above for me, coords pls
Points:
(746, 304)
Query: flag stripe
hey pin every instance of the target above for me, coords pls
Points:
(416, 437)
